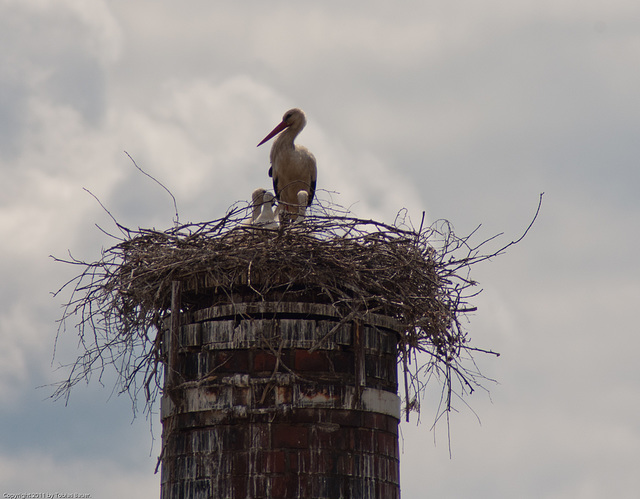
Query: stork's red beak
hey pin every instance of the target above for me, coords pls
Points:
(274, 132)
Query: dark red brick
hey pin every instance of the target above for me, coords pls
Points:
(297, 463)
(394, 471)
(274, 461)
(387, 443)
(345, 464)
(342, 362)
(281, 486)
(346, 418)
(258, 435)
(240, 483)
(240, 463)
(375, 421)
(316, 361)
(263, 361)
(364, 440)
(392, 425)
(231, 361)
(324, 437)
(310, 415)
(287, 436)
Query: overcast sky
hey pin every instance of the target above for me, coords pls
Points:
(465, 109)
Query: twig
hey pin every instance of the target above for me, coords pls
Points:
(176, 221)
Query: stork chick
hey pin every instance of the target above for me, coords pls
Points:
(267, 217)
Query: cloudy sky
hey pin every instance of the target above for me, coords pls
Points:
(465, 109)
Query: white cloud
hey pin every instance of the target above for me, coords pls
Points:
(63, 20)
(41, 473)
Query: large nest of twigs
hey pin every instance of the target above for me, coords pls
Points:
(419, 276)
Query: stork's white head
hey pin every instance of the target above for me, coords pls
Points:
(293, 118)
(257, 196)
(268, 199)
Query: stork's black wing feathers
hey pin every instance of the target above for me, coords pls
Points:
(312, 191)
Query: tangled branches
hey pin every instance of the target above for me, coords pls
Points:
(419, 277)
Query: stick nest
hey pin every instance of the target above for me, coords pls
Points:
(418, 276)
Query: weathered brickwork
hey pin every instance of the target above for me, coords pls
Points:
(263, 411)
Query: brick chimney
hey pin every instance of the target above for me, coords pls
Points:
(279, 399)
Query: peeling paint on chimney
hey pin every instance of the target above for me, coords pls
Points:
(261, 413)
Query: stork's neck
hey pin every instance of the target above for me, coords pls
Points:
(284, 142)
(256, 211)
(288, 135)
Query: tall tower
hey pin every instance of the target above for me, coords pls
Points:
(278, 398)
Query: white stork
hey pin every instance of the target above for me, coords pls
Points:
(257, 198)
(263, 214)
(293, 167)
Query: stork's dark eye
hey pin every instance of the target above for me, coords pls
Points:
(288, 116)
